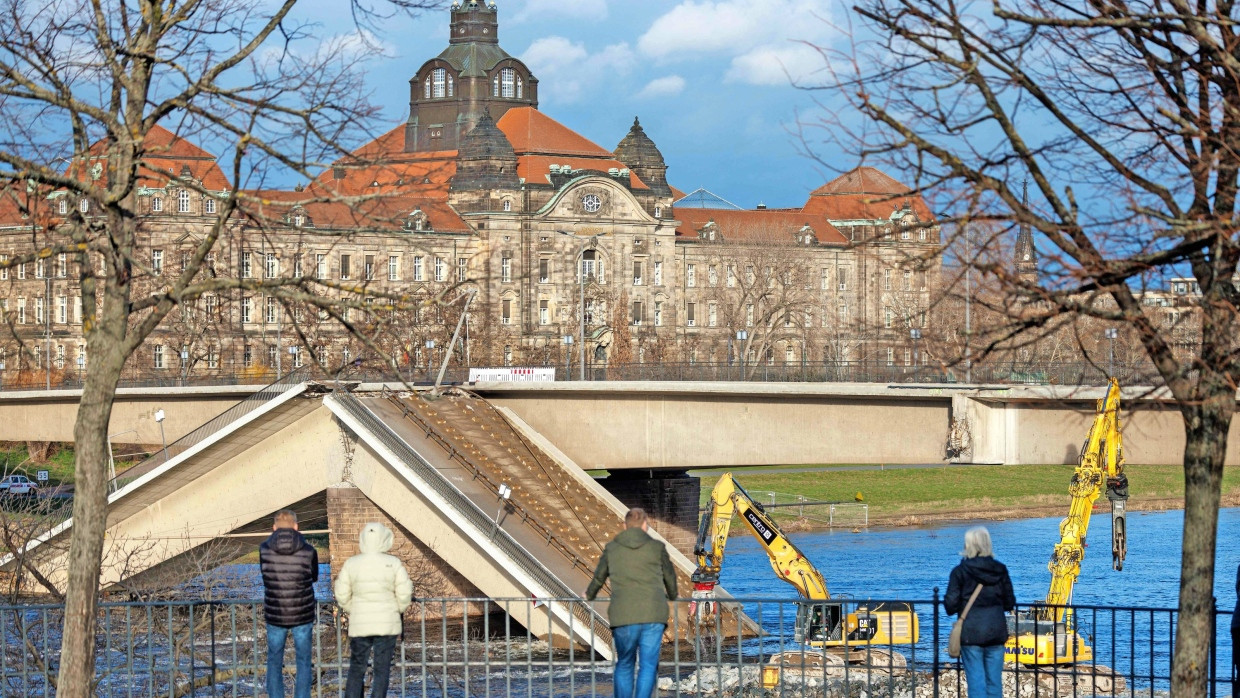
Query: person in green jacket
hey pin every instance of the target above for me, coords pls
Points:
(642, 582)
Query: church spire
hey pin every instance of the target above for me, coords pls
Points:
(1026, 253)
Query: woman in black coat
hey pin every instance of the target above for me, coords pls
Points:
(985, 628)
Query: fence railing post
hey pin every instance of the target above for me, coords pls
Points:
(934, 666)
(1214, 647)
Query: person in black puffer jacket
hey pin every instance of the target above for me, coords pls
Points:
(290, 567)
(985, 627)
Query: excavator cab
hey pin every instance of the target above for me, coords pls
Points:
(833, 623)
(818, 623)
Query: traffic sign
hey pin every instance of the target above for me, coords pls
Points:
(41, 476)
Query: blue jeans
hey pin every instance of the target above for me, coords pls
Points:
(276, 637)
(637, 644)
(983, 670)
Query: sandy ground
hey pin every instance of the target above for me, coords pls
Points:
(1034, 510)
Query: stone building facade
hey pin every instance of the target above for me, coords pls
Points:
(480, 191)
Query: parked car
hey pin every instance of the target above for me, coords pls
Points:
(18, 484)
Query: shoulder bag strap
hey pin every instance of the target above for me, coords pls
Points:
(976, 590)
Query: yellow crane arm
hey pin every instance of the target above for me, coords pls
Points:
(1101, 468)
(728, 498)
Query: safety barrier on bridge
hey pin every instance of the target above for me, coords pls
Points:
(218, 648)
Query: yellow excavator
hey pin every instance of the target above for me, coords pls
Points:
(1046, 633)
(821, 622)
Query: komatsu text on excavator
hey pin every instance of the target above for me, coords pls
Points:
(1046, 634)
(821, 621)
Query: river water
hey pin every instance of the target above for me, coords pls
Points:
(908, 563)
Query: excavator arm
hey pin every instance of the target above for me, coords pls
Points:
(729, 498)
(1101, 469)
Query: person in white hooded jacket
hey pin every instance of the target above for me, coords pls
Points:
(373, 588)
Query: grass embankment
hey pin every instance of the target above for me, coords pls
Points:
(920, 495)
(15, 460)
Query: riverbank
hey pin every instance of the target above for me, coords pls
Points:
(926, 495)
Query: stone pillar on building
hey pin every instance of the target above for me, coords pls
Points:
(670, 498)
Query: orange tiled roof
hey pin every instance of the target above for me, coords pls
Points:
(388, 212)
(532, 132)
(535, 168)
(757, 226)
(864, 193)
(167, 157)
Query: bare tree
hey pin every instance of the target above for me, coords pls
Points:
(84, 87)
(1124, 119)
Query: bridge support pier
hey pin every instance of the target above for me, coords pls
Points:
(670, 497)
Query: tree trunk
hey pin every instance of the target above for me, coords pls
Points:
(77, 662)
(1206, 429)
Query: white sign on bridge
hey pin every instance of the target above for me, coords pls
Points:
(510, 375)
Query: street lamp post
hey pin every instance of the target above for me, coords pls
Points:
(81, 364)
(579, 260)
(430, 357)
(1111, 334)
(915, 334)
(159, 419)
(968, 306)
(741, 336)
(184, 364)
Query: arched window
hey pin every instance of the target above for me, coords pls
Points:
(520, 86)
(507, 82)
(450, 85)
(507, 204)
(438, 77)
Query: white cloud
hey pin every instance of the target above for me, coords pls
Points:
(662, 87)
(566, 71)
(765, 38)
(541, 10)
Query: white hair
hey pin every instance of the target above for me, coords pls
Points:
(977, 543)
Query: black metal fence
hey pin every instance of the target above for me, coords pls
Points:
(807, 372)
(522, 647)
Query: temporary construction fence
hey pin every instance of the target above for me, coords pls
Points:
(200, 648)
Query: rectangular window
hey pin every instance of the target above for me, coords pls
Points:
(731, 274)
(271, 266)
(247, 265)
(638, 269)
(21, 311)
(544, 313)
(157, 262)
(544, 271)
(691, 275)
(344, 266)
(183, 201)
(77, 310)
(712, 275)
(209, 302)
(419, 268)
(921, 319)
(691, 314)
(38, 310)
(297, 357)
(505, 269)
(789, 355)
(843, 278)
(4, 270)
(842, 314)
(750, 277)
(637, 312)
(159, 356)
(658, 313)
(272, 311)
(247, 356)
(441, 269)
(505, 317)
(787, 318)
(62, 265)
(658, 273)
(320, 266)
(40, 268)
(749, 315)
(887, 317)
(247, 308)
(886, 279)
(273, 355)
(462, 268)
(922, 275)
(393, 268)
(62, 310)
(297, 270)
(908, 280)
(826, 278)
(213, 357)
(368, 267)
(891, 356)
(21, 270)
(908, 357)
(712, 315)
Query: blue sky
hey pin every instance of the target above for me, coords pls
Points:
(707, 78)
